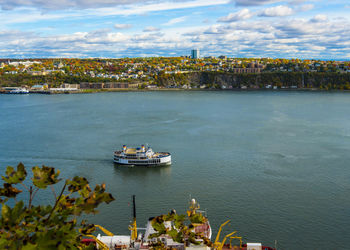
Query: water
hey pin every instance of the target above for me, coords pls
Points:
(275, 163)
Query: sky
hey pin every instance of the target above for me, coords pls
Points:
(306, 29)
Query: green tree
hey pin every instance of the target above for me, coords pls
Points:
(24, 225)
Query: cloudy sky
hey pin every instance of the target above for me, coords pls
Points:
(133, 28)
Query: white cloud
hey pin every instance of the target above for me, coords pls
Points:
(93, 4)
(151, 29)
(240, 15)
(238, 34)
(216, 29)
(319, 18)
(175, 20)
(138, 9)
(122, 26)
(315, 47)
(32, 14)
(260, 38)
(306, 7)
(265, 2)
(147, 37)
(280, 10)
(297, 1)
(254, 2)
(63, 4)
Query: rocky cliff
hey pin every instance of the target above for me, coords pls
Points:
(258, 80)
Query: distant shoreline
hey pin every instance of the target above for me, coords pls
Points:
(93, 91)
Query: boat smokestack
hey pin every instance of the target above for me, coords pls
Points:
(143, 148)
(124, 148)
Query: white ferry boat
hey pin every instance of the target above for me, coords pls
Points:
(141, 156)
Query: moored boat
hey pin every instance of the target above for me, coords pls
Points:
(141, 156)
(153, 236)
(16, 90)
(146, 239)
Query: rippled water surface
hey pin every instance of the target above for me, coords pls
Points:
(276, 163)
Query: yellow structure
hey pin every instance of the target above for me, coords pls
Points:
(219, 232)
(192, 208)
(104, 230)
(219, 245)
(133, 229)
(101, 245)
(236, 237)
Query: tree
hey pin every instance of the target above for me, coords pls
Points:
(29, 226)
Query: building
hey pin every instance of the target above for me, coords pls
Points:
(96, 85)
(106, 85)
(84, 85)
(69, 86)
(116, 85)
(195, 53)
(41, 87)
(38, 73)
(246, 70)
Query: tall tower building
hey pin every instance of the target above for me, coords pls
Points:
(195, 53)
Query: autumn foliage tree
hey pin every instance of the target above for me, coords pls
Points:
(24, 225)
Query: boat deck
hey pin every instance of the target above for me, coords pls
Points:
(130, 151)
(204, 229)
(133, 153)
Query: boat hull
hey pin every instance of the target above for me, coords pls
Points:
(18, 92)
(144, 162)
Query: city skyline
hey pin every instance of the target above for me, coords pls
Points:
(113, 29)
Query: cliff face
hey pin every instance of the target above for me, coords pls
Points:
(224, 79)
(199, 78)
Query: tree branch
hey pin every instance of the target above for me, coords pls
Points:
(25, 186)
(57, 200)
(30, 197)
(37, 189)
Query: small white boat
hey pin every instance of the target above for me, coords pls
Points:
(141, 157)
(18, 91)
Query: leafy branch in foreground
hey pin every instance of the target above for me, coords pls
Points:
(182, 229)
(28, 226)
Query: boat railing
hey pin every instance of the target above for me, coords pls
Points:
(132, 158)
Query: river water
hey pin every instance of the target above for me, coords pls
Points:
(275, 163)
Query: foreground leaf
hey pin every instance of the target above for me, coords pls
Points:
(13, 176)
(44, 176)
(9, 191)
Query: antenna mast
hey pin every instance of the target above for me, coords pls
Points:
(133, 226)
